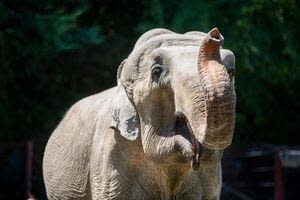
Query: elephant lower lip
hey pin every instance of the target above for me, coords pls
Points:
(182, 127)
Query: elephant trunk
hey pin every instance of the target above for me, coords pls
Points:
(218, 89)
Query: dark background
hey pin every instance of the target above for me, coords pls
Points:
(53, 53)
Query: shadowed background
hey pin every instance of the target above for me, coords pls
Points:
(53, 53)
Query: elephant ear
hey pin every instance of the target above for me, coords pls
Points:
(124, 115)
(227, 58)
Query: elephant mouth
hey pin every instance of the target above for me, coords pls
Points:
(182, 127)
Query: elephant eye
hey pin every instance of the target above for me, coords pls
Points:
(156, 72)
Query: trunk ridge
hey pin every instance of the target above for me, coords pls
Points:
(219, 93)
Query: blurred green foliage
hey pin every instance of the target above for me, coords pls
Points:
(52, 53)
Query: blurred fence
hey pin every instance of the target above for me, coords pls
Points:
(15, 170)
(21, 170)
(261, 172)
(255, 172)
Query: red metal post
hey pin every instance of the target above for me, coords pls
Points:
(278, 177)
(29, 148)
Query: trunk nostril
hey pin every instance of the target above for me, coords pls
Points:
(214, 36)
(209, 49)
(214, 33)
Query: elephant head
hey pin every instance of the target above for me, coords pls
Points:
(176, 94)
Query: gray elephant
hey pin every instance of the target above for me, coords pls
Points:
(159, 134)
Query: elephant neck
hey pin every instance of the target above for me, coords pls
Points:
(159, 181)
(175, 176)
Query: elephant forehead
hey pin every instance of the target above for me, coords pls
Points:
(183, 60)
(168, 38)
(165, 41)
(183, 47)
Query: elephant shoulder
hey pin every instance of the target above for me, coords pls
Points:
(66, 160)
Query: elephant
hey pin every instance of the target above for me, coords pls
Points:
(159, 133)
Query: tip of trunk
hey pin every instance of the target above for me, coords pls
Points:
(215, 35)
(210, 47)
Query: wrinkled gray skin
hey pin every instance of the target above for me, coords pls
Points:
(128, 142)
